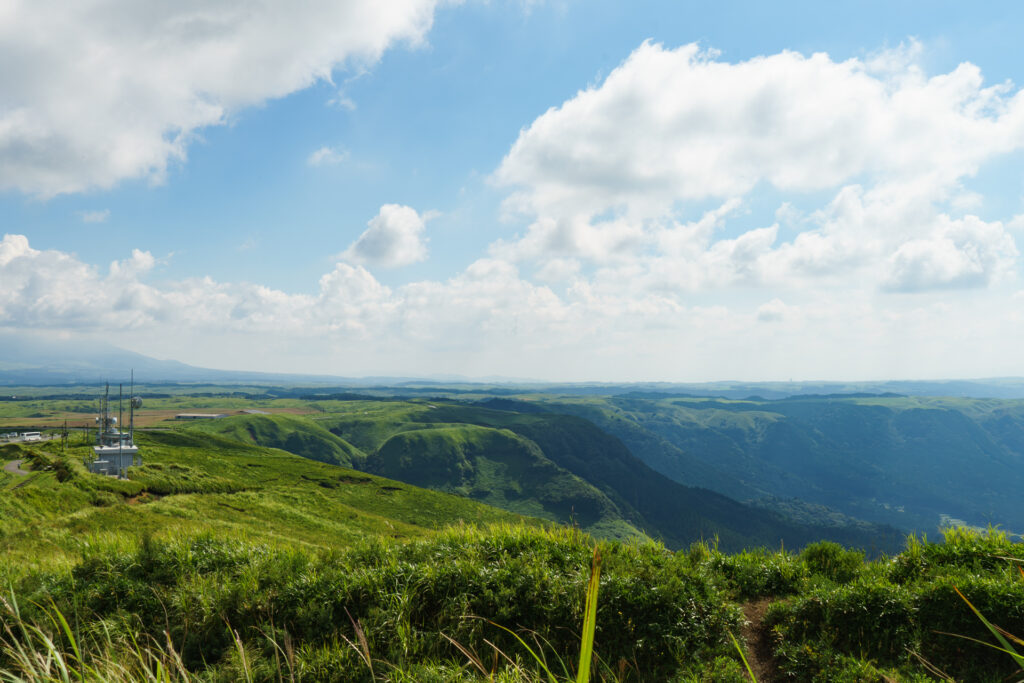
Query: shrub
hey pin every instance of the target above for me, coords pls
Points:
(832, 561)
(873, 620)
(947, 623)
(758, 573)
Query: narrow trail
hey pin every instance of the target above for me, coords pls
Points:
(14, 467)
(759, 641)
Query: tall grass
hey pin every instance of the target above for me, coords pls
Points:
(54, 652)
(382, 609)
(1005, 638)
(587, 655)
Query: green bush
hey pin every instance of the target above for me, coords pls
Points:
(832, 561)
(947, 623)
(873, 620)
(758, 573)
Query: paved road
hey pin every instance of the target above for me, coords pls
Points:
(14, 467)
(44, 437)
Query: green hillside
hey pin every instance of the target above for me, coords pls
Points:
(288, 432)
(561, 467)
(426, 443)
(500, 468)
(192, 483)
(464, 604)
(910, 462)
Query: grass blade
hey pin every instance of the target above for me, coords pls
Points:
(589, 620)
(995, 631)
(750, 672)
(551, 676)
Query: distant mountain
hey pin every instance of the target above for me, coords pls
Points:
(44, 359)
(37, 359)
(47, 360)
(910, 462)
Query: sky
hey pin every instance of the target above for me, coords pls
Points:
(562, 190)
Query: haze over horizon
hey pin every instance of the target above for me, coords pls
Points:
(560, 190)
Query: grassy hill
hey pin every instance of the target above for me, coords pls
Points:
(500, 468)
(585, 472)
(194, 483)
(287, 432)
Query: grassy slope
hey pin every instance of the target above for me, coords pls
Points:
(287, 432)
(193, 483)
(500, 468)
(642, 497)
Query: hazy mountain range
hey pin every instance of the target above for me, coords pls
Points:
(49, 360)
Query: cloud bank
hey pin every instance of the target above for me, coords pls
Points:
(605, 176)
(100, 91)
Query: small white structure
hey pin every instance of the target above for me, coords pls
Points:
(199, 416)
(115, 451)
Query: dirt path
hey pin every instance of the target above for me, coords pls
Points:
(759, 642)
(14, 467)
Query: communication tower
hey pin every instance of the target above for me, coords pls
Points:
(115, 451)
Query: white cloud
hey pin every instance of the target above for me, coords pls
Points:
(327, 156)
(670, 125)
(959, 253)
(394, 238)
(93, 93)
(489, 319)
(614, 276)
(100, 216)
(342, 101)
(605, 175)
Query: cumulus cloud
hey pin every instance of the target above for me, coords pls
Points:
(604, 176)
(959, 253)
(51, 289)
(615, 275)
(327, 156)
(395, 238)
(97, 92)
(670, 125)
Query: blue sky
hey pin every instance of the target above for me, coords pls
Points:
(562, 190)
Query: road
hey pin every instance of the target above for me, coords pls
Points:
(14, 467)
(21, 439)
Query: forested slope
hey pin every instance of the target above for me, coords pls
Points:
(910, 462)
